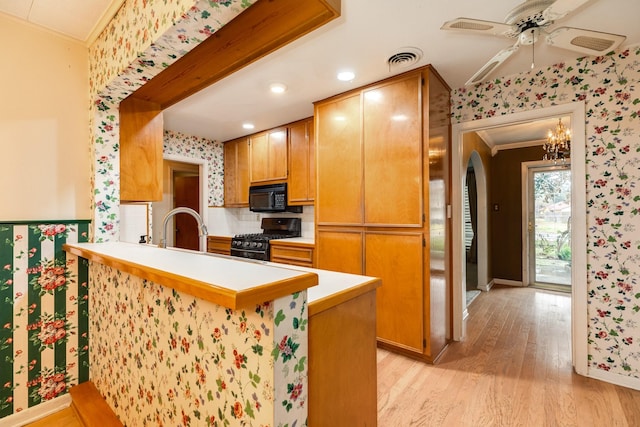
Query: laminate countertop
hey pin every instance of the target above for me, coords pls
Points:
(228, 281)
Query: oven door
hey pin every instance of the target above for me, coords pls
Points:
(259, 255)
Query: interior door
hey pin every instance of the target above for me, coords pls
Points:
(548, 225)
(186, 190)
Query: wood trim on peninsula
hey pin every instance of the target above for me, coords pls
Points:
(207, 291)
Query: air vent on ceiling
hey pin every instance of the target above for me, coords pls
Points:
(405, 57)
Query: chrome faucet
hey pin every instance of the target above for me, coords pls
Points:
(202, 228)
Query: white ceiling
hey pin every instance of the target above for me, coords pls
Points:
(79, 19)
(362, 39)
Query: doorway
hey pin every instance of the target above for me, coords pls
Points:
(475, 229)
(546, 225)
(180, 175)
(576, 111)
(186, 193)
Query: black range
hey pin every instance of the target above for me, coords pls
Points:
(256, 245)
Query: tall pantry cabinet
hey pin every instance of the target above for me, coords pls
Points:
(382, 192)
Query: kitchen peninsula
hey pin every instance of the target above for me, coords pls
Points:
(218, 340)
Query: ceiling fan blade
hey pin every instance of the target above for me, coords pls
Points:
(480, 26)
(560, 8)
(584, 41)
(492, 64)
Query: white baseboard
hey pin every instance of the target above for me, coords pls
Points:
(37, 412)
(508, 282)
(617, 379)
(486, 287)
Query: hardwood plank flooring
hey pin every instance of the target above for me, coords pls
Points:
(64, 418)
(513, 369)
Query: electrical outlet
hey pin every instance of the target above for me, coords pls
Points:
(257, 217)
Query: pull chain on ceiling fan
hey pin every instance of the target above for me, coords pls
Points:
(526, 22)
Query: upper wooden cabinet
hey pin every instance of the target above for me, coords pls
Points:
(236, 173)
(339, 161)
(268, 156)
(141, 132)
(392, 153)
(302, 173)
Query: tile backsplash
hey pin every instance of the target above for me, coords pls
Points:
(230, 221)
(221, 221)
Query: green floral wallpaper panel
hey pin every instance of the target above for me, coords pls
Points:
(44, 341)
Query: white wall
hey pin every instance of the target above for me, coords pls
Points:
(44, 125)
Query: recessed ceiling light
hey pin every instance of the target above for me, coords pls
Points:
(278, 88)
(248, 126)
(346, 76)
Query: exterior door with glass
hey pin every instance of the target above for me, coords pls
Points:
(547, 225)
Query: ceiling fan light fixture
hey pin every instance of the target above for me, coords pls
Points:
(527, 22)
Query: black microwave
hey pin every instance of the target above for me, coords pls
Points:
(270, 198)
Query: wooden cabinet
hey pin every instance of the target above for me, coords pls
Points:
(392, 153)
(219, 245)
(294, 253)
(141, 131)
(341, 249)
(381, 202)
(339, 197)
(236, 173)
(397, 259)
(302, 173)
(283, 154)
(342, 363)
(268, 156)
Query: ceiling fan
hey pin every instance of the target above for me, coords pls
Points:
(527, 22)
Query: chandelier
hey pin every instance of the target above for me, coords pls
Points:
(558, 144)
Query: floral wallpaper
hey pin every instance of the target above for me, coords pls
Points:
(142, 39)
(43, 313)
(162, 357)
(200, 148)
(610, 87)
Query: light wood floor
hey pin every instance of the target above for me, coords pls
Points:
(64, 418)
(514, 369)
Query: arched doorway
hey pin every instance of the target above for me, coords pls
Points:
(475, 257)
